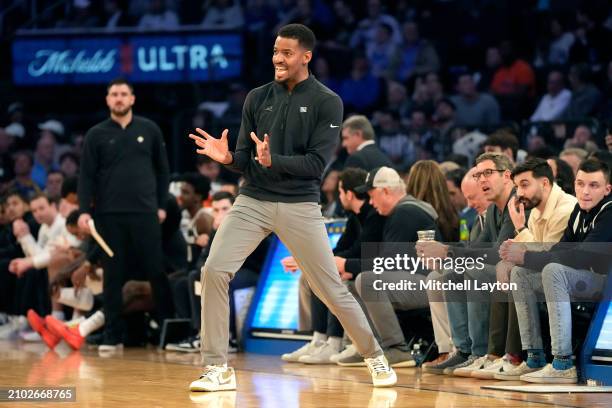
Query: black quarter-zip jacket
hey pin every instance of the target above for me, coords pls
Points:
(124, 170)
(304, 130)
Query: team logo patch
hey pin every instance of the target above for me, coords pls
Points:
(303, 109)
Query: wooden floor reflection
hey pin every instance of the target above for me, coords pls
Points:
(152, 378)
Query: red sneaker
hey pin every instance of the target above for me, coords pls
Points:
(71, 335)
(38, 325)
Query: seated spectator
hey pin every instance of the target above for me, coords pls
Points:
(560, 44)
(585, 96)
(553, 104)
(69, 164)
(381, 50)
(196, 222)
(394, 140)
(582, 138)
(158, 17)
(366, 28)
(321, 71)
(330, 207)
(81, 16)
(115, 15)
(563, 174)
(405, 216)
(55, 178)
(474, 109)
(223, 14)
(454, 178)
(573, 156)
(502, 141)
(344, 27)
(485, 76)
(397, 99)
(515, 76)
(414, 56)
(359, 140)
(23, 182)
(44, 159)
(445, 124)
(513, 84)
(361, 91)
(434, 87)
(567, 272)
(6, 160)
(52, 233)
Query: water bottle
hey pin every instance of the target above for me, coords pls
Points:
(417, 354)
(464, 232)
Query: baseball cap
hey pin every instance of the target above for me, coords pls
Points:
(15, 130)
(52, 125)
(381, 177)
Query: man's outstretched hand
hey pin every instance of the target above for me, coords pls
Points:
(216, 149)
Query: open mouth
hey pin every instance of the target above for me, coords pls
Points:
(486, 189)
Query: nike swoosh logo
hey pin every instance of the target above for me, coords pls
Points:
(333, 127)
(225, 380)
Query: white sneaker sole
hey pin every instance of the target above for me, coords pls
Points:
(549, 380)
(389, 382)
(198, 386)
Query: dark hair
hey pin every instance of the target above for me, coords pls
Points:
(69, 186)
(301, 33)
(73, 217)
(456, 176)
(69, 155)
(539, 167)
(25, 153)
(39, 196)
(461, 159)
(223, 195)
(16, 193)
(595, 165)
(119, 81)
(351, 178)
(448, 102)
(565, 176)
(200, 184)
(504, 139)
(55, 172)
(603, 156)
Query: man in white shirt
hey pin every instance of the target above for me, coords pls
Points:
(555, 101)
(52, 234)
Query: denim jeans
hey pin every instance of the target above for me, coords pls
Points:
(469, 320)
(558, 283)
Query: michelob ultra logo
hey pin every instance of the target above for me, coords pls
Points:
(139, 58)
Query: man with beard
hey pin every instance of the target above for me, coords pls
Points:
(289, 132)
(550, 209)
(124, 185)
(575, 269)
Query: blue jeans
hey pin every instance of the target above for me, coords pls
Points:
(469, 321)
(559, 283)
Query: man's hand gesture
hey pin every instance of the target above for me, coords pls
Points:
(263, 150)
(216, 149)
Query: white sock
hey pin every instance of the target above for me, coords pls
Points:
(58, 314)
(319, 337)
(91, 324)
(335, 342)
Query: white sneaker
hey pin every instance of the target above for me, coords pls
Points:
(488, 373)
(110, 350)
(319, 355)
(478, 364)
(515, 373)
(30, 336)
(550, 375)
(215, 378)
(349, 350)
(382, 373)
(11, 329)
(307, 348)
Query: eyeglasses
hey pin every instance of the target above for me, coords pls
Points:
(486, 173)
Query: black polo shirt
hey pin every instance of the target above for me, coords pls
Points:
(123, 170)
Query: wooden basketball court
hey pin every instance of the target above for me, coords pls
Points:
(152, 378)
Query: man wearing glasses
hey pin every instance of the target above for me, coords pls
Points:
(493, 175)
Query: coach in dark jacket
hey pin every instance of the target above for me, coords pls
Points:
(358, 140)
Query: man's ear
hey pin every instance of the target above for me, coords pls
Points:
(307, 57)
